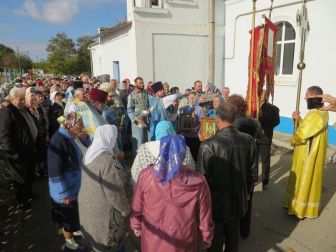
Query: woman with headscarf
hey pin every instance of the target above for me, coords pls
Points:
(56, 110)
(171, 207)
(103, 199)
(42, 140)
(148, 152)
(217, 101)
(65, 154)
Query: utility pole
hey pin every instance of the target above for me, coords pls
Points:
(211, 41)
(18, 53)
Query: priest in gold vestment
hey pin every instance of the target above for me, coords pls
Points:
(303, 196)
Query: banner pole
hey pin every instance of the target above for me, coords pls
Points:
(301, 65)
(252, 57)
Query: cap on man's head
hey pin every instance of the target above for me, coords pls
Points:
(126, 80)
(98, 95)
(60, 93)
(77, 84)
(157, 86)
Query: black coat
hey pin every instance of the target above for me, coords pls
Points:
(55, 112)
(269, 118)
(16, 139)
(228, 161)
(246, 125)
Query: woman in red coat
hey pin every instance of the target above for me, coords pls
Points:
(171, 207)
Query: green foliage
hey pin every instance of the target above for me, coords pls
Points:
(66, 57)
(10, 59)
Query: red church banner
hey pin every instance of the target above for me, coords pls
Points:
(253, 89)
(264, 60)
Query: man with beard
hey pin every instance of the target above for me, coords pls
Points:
(137, 105)
(157, 110)
(303, 197)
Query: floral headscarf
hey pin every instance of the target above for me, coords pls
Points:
(69, 120)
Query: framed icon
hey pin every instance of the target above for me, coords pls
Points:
(186, 122)
(208, 127)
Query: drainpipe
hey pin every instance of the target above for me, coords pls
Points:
(211, 41)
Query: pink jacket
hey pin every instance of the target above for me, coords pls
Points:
(172, 216)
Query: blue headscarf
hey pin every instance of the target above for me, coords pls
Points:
(169, 161)
(164, 128)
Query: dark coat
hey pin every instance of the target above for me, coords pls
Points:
(269, 118)
(55, 111)
(228, 161)
(16, 139)
(246, 125)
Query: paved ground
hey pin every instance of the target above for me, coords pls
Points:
(272, 228)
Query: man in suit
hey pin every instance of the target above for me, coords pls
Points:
(268, 118)
(18, 135)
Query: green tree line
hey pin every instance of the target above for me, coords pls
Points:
(10, 59)
(67, 57)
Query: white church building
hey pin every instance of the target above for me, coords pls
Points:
(168, 40)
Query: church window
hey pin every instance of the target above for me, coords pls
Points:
(285, 48)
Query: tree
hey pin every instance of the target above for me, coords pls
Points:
(61, 51)
(10, 59)
(83, 53)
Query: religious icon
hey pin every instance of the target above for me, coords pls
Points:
(208, 127)
(186, 122)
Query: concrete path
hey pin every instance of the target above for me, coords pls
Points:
(273, 229)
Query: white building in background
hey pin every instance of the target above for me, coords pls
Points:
(320, 51)
(161, 40)
(168, 40)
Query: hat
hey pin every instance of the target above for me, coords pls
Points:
(98, 95)
(107, 87)
(77, 84)
(104, 78)
(69, 120)
(157, 86)
(60, 93)
(126, 80)
(30, 83)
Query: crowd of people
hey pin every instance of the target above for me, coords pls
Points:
(182, 190)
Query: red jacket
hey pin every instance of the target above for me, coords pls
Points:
(171, 216)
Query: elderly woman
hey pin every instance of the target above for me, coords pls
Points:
(103, 201)
(217, 101)
(42, 132)
(65, 155)
(171, 207)
(56, 110)
(148, 152)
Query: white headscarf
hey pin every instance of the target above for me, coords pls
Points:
(52, 97)
(104, 139)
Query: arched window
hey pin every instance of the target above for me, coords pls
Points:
(285, 48)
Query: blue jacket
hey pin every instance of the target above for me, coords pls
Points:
(64, 166)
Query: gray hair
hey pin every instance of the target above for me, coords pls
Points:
(15, 92)
(79, 91)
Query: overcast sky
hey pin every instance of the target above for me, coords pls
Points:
(29, 24)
